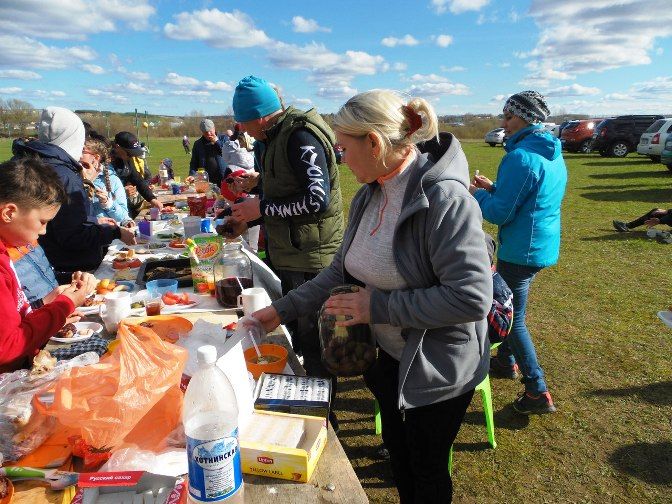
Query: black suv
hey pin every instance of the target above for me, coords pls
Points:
(617, 136)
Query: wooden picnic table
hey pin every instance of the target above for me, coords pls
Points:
(334, 479)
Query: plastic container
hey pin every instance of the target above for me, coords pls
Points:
(233, 274)
(346, 351)
(210, 418)
(161, 286)
(201, 181)
(192, 226)
(196, 205)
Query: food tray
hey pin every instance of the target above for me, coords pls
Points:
(166, 263)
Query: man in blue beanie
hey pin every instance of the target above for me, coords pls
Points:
(301, 206)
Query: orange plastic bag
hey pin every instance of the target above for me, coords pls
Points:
(131, 396)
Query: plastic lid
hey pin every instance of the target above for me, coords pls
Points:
(206, 354)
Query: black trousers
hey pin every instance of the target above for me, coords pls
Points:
(304, 330)
(419, 443)
(639, 221)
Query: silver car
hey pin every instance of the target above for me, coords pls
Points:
(494, 137)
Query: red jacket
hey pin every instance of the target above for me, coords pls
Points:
(24, 331)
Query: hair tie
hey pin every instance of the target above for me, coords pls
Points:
(413, 118)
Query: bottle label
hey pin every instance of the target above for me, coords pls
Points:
(214, 467)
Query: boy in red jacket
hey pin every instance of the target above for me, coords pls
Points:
(30, 196)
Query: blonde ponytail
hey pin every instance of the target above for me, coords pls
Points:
(385, 113)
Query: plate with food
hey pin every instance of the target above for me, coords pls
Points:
(166, 236)
(79, 331)
(6, 490)
(91, 304)
(122, 264)
(177, 244)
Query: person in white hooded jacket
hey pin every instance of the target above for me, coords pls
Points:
(415, 241)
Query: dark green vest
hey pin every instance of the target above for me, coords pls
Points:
(304, 242)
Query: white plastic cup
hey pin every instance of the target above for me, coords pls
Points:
(253, 299)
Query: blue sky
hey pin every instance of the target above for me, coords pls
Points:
(174, 57)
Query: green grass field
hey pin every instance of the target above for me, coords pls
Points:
(605, 353)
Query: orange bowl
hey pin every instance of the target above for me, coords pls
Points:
(267, 350)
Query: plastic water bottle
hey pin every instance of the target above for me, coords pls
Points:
(210, 418)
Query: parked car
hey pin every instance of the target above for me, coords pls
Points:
(577, 135)
(653, 139)
(666, 153)
(618, 136)
(338, 150)
(494, 137)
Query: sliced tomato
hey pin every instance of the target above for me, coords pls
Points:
(168, 300)
(184, 298)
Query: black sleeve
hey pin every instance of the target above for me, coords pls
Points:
(141, 184)
(309, 162)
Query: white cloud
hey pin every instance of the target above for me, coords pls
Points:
(499, 98)
(40, 93)
(514, 17)
(572, 90)
(29, 53)
(578, 37)
(132, 87)
(458, 6)
(399, 67)
(72, 19)
(189, 92)
(117, 98)
(504, 65)
(94, 69)
(10, 90)
(303, 102)
(455, 68)
(541, 74)
(196, 86)
(144, 76)
(659, 51)
(175, 79)
(406, 40)
(19, 74)
(303, 25)
(224, 30)
(438, 88)
(337, 93)
(428, 78)
(443, 40)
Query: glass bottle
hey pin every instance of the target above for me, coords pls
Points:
(346, 351)
(233, 273)
(201, 181)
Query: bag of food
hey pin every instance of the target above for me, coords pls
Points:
(131, 396)
(208, 248)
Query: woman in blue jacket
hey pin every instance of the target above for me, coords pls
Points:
(525, 203)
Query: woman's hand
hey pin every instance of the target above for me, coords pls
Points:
(156, 203)
(268, 317)
(247, 181)
(109, 221)
(74, 317)
(102, 196)
(77, 292)
(481, 182)
(54, 294)
(85, 280)
(654, 221)
(356, 305)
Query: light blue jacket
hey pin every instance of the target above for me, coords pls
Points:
(525, 200)
(119, 209)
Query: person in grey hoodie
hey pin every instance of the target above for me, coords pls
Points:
(415, 241)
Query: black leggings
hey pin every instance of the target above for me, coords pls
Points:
(419, 444)
(665, 218)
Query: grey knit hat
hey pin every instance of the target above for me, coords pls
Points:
(206, 125)
(528, 105)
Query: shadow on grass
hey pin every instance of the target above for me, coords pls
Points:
(471, 447)
(505, 418)
(617, 236)
(649, 462)
(659, 393)
(620, 163)
(645, 195)
(631, 175)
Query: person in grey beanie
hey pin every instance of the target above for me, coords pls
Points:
(525, 203)
(207, 153)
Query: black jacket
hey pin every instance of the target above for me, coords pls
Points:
(130, 176)
(74, 239)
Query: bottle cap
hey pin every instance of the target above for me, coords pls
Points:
(206, 354)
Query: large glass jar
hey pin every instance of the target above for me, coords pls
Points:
(201, 181)
(233, 273)
(346, 351)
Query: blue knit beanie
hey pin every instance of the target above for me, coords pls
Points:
(254, 98)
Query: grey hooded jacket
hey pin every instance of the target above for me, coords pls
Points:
(440, 251)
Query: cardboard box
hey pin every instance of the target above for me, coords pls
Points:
(300, 395)
(296, 464)
(129, 487)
